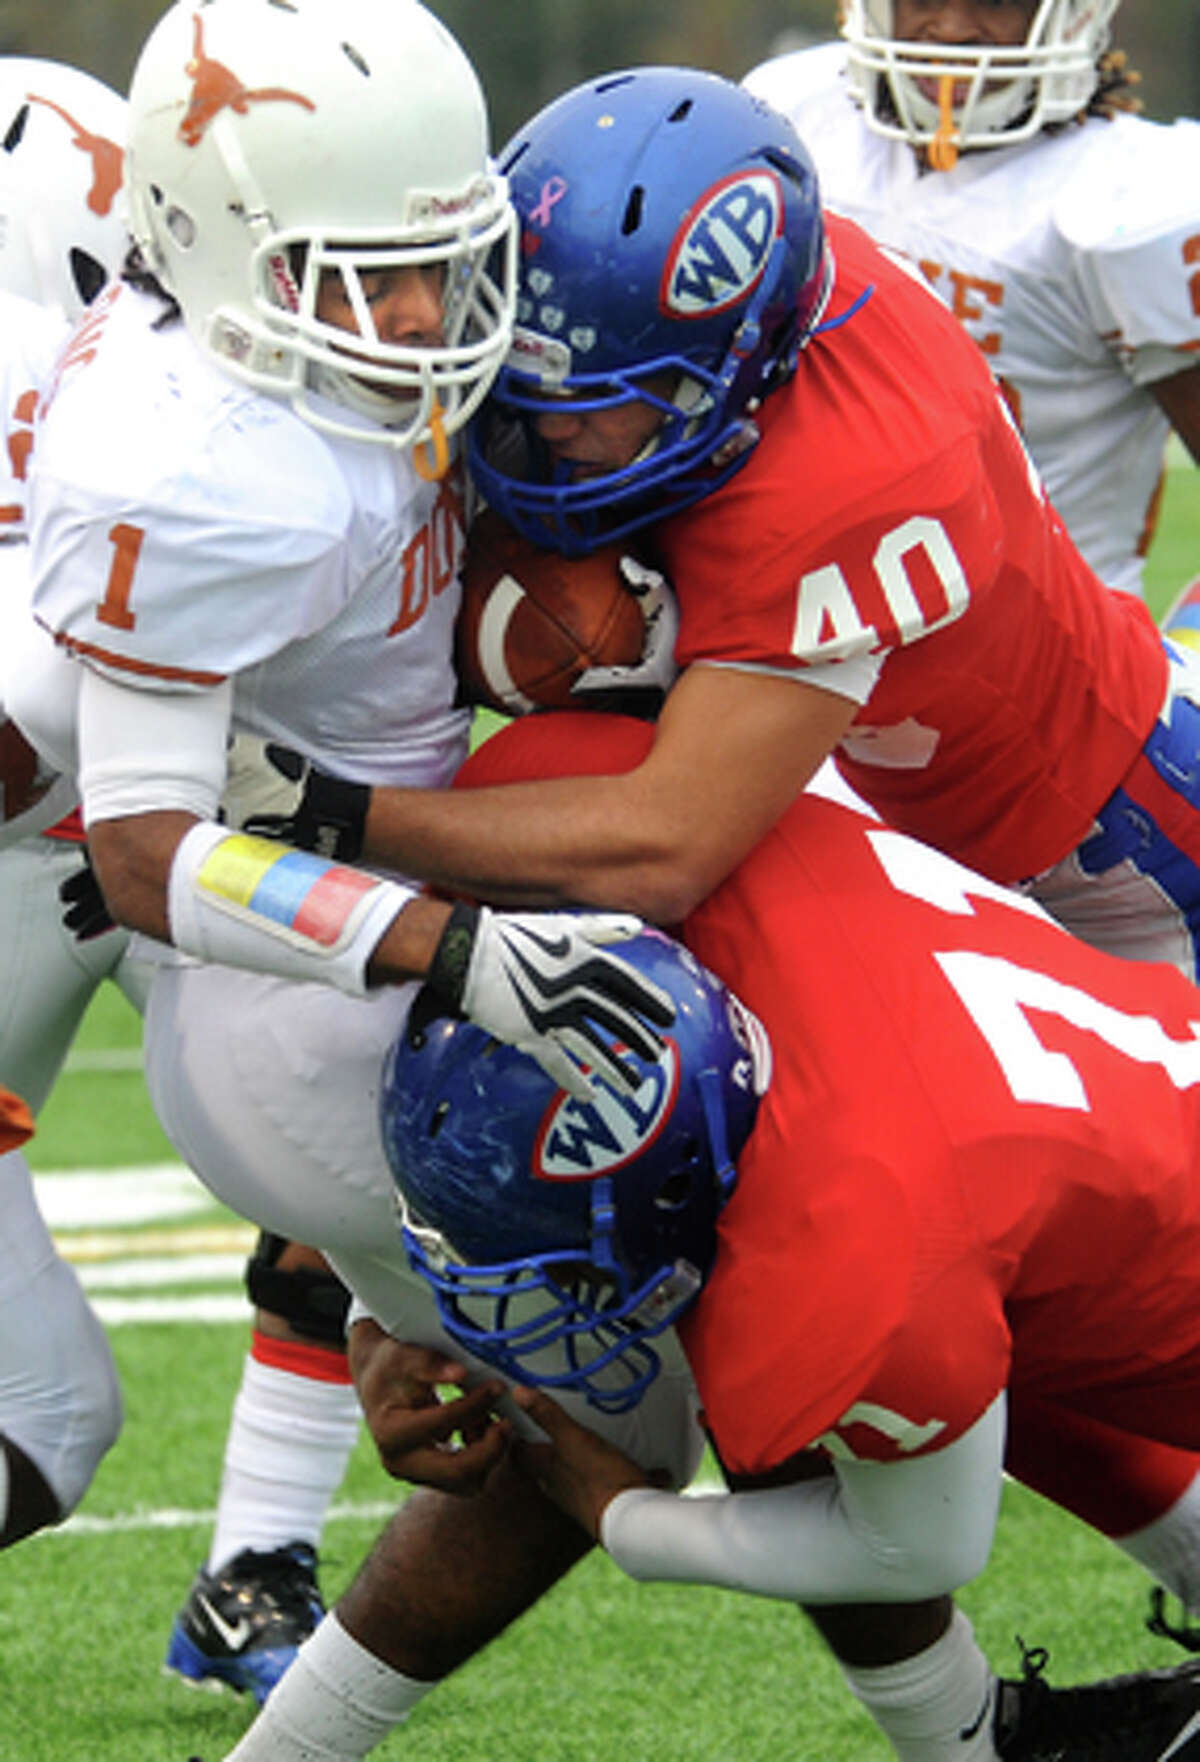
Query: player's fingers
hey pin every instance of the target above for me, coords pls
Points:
(463, 1470)
(428, 1364)
(544, 1411)
(450, 1445)
(624, 985)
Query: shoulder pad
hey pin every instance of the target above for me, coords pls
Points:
(788, 80)
(1135, 181)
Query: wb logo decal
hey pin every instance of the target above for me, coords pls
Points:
(721, 250)
(581, 1139)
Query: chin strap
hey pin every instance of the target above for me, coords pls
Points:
(943, 149)
(437, 449)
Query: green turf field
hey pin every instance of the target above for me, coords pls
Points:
(603, 1671)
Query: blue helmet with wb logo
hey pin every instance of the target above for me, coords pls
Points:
(672, 250)
(560, 1236)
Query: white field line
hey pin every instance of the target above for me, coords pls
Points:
(174, 1518)
(127, 1231)
(108, 1198)
(171, 1270)
(171, 1518)
(110, 1059)
(120, 1312)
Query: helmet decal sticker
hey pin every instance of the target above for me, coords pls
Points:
(581, 1139)
(106, 156)
(215, 88)
(553, 191)
(720, 252)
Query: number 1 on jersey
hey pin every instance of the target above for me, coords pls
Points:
(113, 609)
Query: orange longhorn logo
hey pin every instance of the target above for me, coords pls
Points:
(105, 155)
(215, 88)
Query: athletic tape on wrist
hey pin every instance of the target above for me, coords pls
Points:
(250, 902)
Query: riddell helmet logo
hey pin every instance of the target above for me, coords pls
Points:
(215, 88)
(579, 1140)
(718, 256)
(105, 155)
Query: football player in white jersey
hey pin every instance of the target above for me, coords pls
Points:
(62, 237)
(993, 144)
(295, 1417)
(246, 514)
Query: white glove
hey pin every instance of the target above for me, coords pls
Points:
(541, 982)
(640, 688)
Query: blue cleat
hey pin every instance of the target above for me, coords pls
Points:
(241, 1627)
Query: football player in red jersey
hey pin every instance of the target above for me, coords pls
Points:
(974, 1181)
(864, 560)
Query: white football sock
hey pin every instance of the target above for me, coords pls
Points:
(1169, 1548)
(937, 1706)
(289, 1440)
(335, 1702)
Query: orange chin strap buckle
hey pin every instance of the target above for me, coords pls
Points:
(438, 449)
(943, 149)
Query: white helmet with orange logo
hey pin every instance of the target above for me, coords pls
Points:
(271, 143)
(970, 95)
(62, 220)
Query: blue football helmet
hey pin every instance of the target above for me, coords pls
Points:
(560, 1236)
(672, 251)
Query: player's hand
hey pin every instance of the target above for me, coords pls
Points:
(276, 793)
(638, 689)
(421, 1435)
(87, 916)
(543, 982)
(578, 1469)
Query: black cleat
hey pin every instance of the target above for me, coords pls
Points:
(1185, 1633)
(1153, 1716)
(241, 1627)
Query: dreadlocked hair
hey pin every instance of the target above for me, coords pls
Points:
(1112, 95)
(1115, 86)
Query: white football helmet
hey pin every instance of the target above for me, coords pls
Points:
(271, 143)
(62, 218)
(950, 97)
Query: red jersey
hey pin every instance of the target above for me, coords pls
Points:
(978, 1161)
(887, 512)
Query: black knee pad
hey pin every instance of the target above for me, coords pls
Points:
(314, 1303)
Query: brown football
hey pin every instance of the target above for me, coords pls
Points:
(532, 621)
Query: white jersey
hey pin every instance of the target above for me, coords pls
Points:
(186, 530)
(1072, 259)
(33, 337)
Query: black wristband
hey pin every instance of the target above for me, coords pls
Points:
(447, 976)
